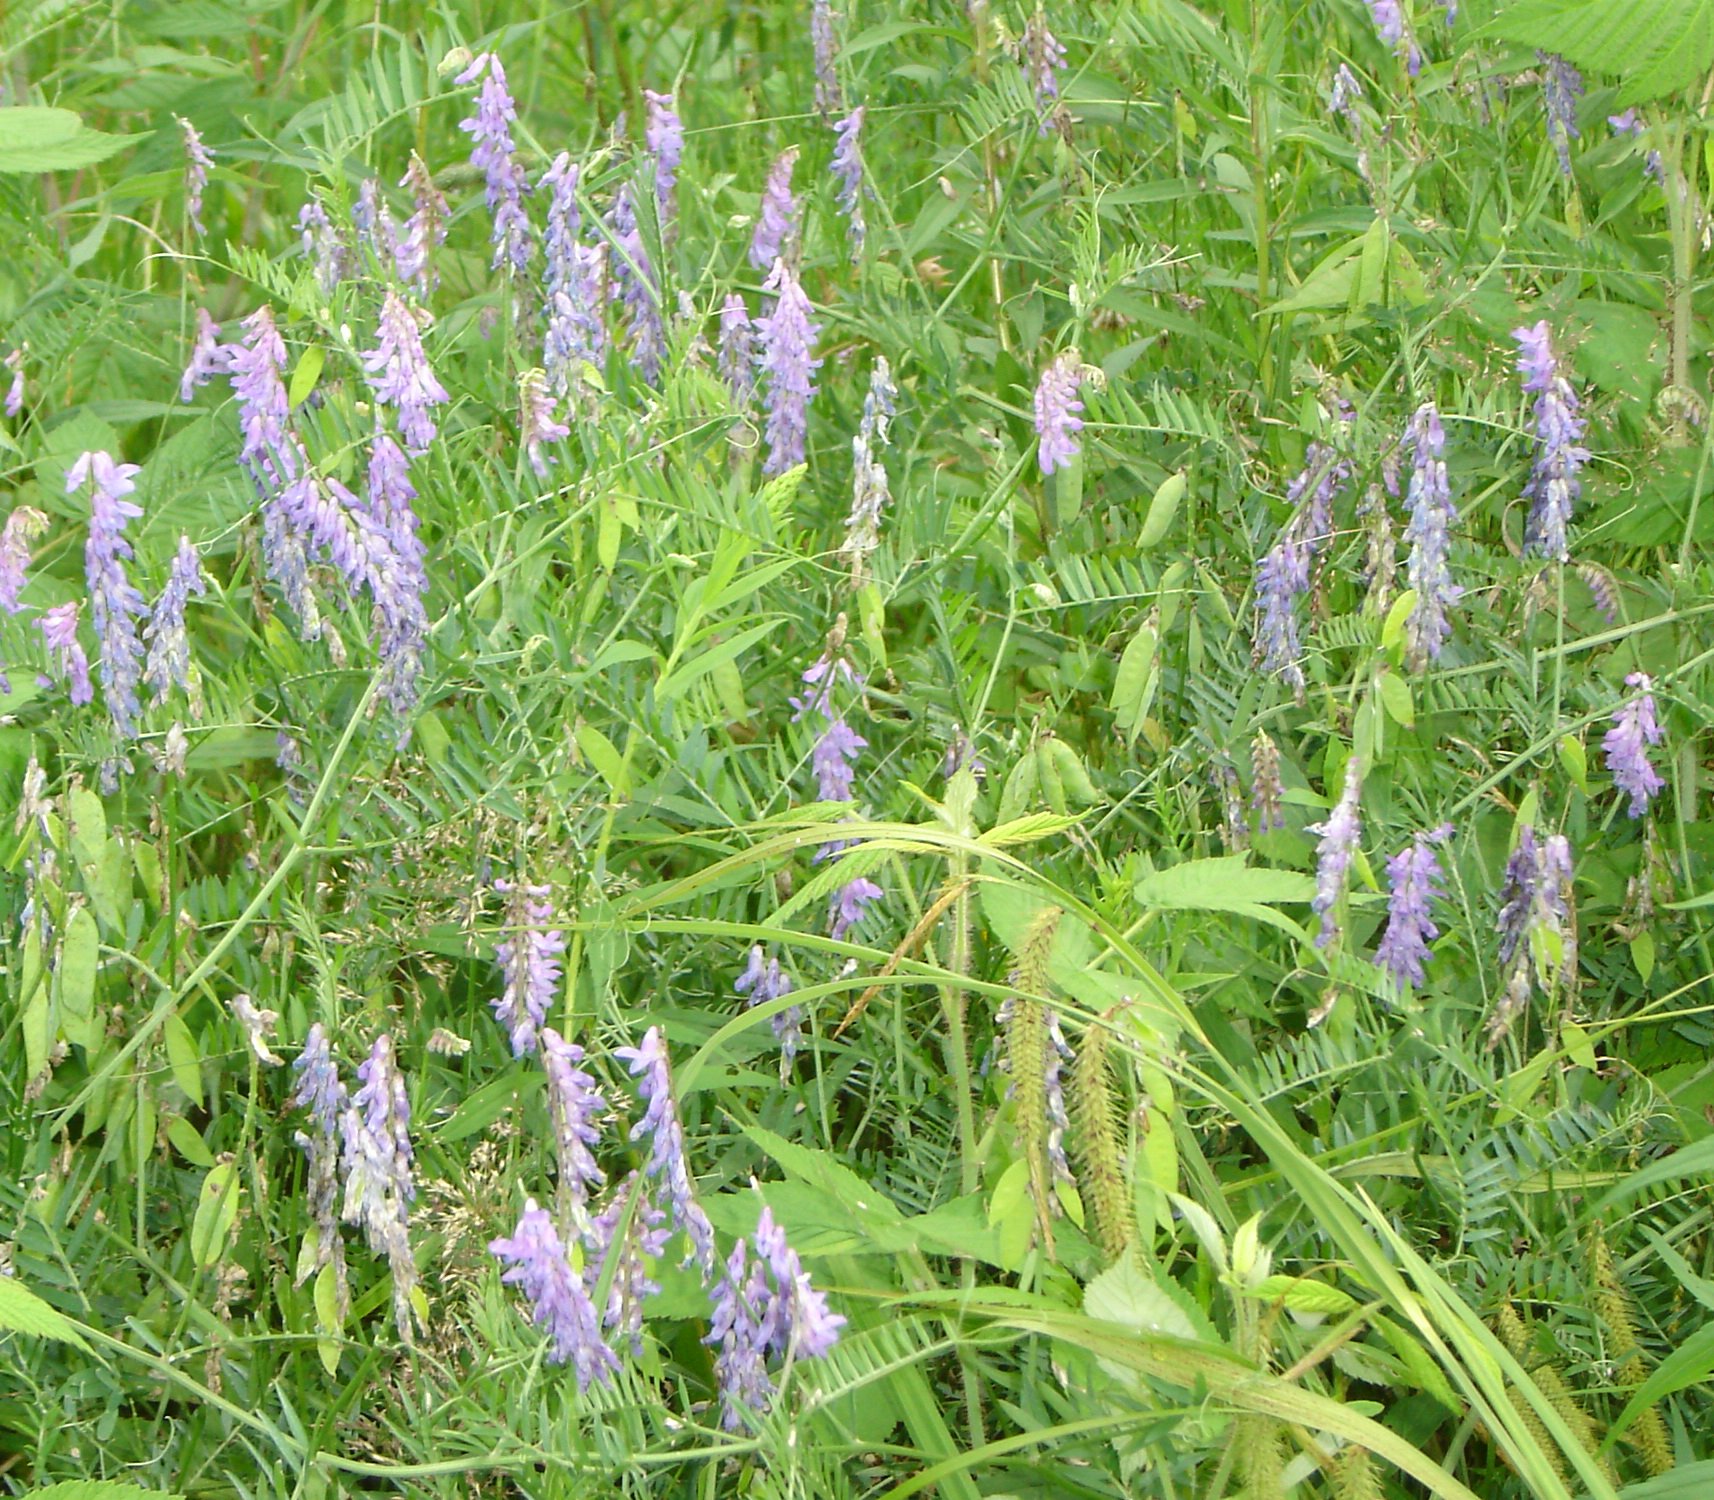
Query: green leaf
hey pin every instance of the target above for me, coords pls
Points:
(1692, 1161)
(1304, 1294)
(34, 138)
(1396, 699)
(482, 1108)
(1687, 1482)
(1134, 683)
(698, 666)
(191, 1146)
(1127, 1294)
(1699, 1287)
(216, 1209)
(79, 957)
(1226, 883)
(306, 374)
(605, 757)
(868, 1204)
(99, 1489)
(22, 1311)
(1656, 47)
(184, 1058)
(1393, 627)
(88, 821)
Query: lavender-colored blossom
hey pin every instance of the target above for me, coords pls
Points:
(1635, 728)
(1043, 58)
(198, 160)
(1429, 536)
(741, 1363)
(1415, 876)
(819, 677)
(1313, 492)
(208, 356)
(559, 1302)
(529, 958)
(401, 621)
(639, 290)
(1347, 90)
(575, 1106)
(1282, 578)
(15, 390)
(1534, 924)
(565, 220)
(1603, 589)
(1390, 26)
(323, 246)
(630, 1285)
(115, 605)
(827, 92)
(667, 1164)
(1553, 485)
(847, 167)
(851, 904)
(169, 647)
(1057, 408)
(536, 424)
(1340, 834)
(1630, 123)
(59, 630)
(832, 760)
(492, 153)
(373, 221)
(425, 230)
(776, 225)
(255, 365)
(763, 980)
(1561, 87)
(24, 524)
(400, 371)
(377, 1163)
(787, 337)
(575, 335)
(663, 134)
(738, 351)
(321, 1091)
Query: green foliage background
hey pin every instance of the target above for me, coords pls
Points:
(1332, 1192)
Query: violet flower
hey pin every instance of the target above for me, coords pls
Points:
(828, 97)
(1389, 19)
(1415, 876)
(738, 351)
(115, 605)
(373, 221)
(321, 1092)
(639, 290)
(847, 167)
(575, 1106)
(208, 356)
(378, 1170)
(850, 904)
(1634, 729)
(323, 247)
(59, 631)
(425, 230)
(787, 337)
(565, 220)
(536, 424)
(1431, 518)
(400, 371)
(529, 958)
(663, 134)
(1630, 124)
(169, 647)
(15, 391)
(668, 1164)
(644, 1242)
(536, 1262)
(832, 760)
(1553, 485)
(197, 162)
(776, 225)
(24, 524)
(1340, 833)
(1043, 58)
(1282, 578)
(1057, 408)
(1534, 923)
(1561, 87)
(767, 981)
(492, 153)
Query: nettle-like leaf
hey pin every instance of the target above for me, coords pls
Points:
(35, 138)
(1656, 46)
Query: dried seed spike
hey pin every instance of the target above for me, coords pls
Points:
(1100, 1152)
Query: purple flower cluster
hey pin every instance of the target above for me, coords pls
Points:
(1561, 88)
(1630, 124)
(198, 160)
(529, 958)
(1283, 575)
(169, 647)
(323, 246)
(377, 1163)
(323, 1094)
(663, 134)
(847, 168)
(537, 1263)
(1537, 940)
(208, 356)
(537, 425)
(1341, 833)
(738, 351)
(832, 759)
(115, 605)
(763, 980)
(493, 154)
(1553, 485)
(1057, 408)
(1429, 535)
(638, 287)
(1635, 728)
(828, 97)
(22, 526)
(1415, 876)
(59, 634)
(1390, 26)
(776, 225)
(1043, 58)
(575, 1105)
(668, 1165)
(787, 336)
(400, 373)
(15, 390)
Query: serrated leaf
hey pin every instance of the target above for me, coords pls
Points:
(22, 1311)
(35, 138)
(1128, 1295)
(1303, 1294)
(1656, 46)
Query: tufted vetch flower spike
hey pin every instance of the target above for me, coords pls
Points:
(787, 334)
(1056, 411)
(115, 605)
(776, 225)
(1341, 832)
(529, 959)
(1635, 728)
(536, 1262)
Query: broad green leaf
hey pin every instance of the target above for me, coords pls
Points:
(37, 1009)
(1396, 699)
(479, 1110)
(88, 820)
(1128, 1295)
(1304, 1294)
(706, 661)
(605, 757)
(22, 1311)
(1655, 47)
(35, 138)
(99, 1489)
(79, 959)
(1226, 883)
(1695, 1161)
(307, 373)
(188, 1143)
(1699, 1287)
(823, 1172)
(184, 1057)
(216, 1210)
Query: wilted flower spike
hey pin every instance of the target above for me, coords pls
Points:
(1562, 87)
(764, 981)
(425, 230)
(529, 958)
(169, 647)
(639, 289)
(377, 1164)
(322, 244)
(559, 1303)
(115, 605)
(787, 337)
(1266, 794)
(197, 162)
(847, 167)
(1415, 876)
(1057, 408)
(668, 1164)
(630, 1285)
(22, 526)
(59, 631)
(738, 351)
(1043, 60)
(1553, 485)
(825, 45)
(323, 1094)
(536, 424)
(1635, 728)
(776, 225)
(1340, 834)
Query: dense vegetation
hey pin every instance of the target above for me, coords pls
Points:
(806, 751)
